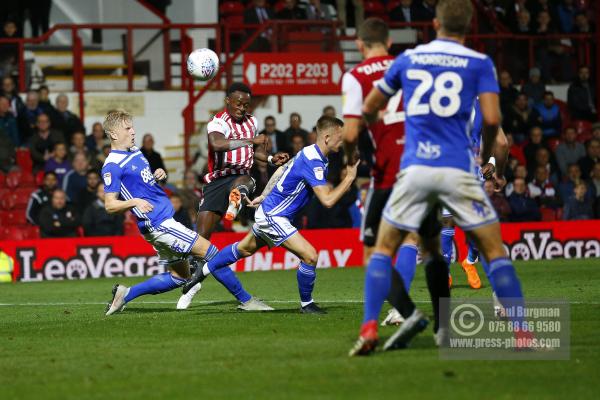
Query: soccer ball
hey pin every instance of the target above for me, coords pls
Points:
(203, 64)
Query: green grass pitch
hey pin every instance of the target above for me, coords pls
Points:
(56, 343)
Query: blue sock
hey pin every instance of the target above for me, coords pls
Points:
(228, 255)
(306, 276)
(505, 283)
(157, 284)
(473, 252)
(377, 285)
(406, 264)
(218, 266)
(229, 279)
(447, 238)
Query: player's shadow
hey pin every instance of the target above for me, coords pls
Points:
(142, 310)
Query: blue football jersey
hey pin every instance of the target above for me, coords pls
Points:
(440, 81)
(294, 189)
(128, 173)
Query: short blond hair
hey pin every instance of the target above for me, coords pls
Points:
(454, 15)
(114, 119)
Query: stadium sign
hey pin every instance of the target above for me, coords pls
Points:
(293, 73)
(81, 258)
(107, 257)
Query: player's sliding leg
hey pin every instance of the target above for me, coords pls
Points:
(219, 264)
(502, 274)
(207, 222)
(176, 277)
(378, 280)
(243, 187)
(306, 273)
(468, 265)
(447, 238)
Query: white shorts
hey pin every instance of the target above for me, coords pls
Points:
(272, 230)
(172, 241)
(419, 188)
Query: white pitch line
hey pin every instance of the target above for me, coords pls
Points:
(209, 302)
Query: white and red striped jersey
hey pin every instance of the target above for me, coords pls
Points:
(231, 162)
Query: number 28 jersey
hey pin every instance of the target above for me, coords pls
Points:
(387, 135)
(440, 81)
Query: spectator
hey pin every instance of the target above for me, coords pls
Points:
(191, 193)
(64, 120)
(567, 186)
(596, 131)
(542, 190)
(43, 141)
(277, 137)
(27, 119)
(7, 152)
(581, 97)
(9, 52)
(76, 179)
(329, 111)
(523, 208)
(153, 157)
(298, 144)
(41, 198)
(520, 172)
(538, 7)
(97, 139)
(595, 180)
(317, 12)
(544, 159)
(58, 219)
(592, 157)
(425, 11)
(78, 146)
(515, 151)
(569, 151)
(359, 13)
(521, 118)
(534, 88)
(566, 16)
(550, 53)
(405, 11)
(58, 163)
(9, 90)
(97, 222)
(579, 206)
(181, 213)
(523, 23)
(549, 113)
(312, 136)
(89, 194)
(45, 100)
(295, 127)
(291, 11)
(536, 141)
(8, 123)
(259, 13)
(498, 201)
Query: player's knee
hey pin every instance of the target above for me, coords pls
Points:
(311, 257)
(244, 252)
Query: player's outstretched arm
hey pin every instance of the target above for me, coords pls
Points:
(328, 196)
(373, 103)
(269, 187)
(113, 205)
(218, 142)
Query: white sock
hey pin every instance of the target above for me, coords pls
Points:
(305, 303)
(205, 269)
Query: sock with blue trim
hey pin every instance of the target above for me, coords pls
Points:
(447, 238)
(406, 264)
(160, 283)
(473, 254)
(377, 285)
(211, 252)
(306, 276)
(228, 255)
(507, 286)
(218, 266)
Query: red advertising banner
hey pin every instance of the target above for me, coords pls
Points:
(293, 73)
(80, 258)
